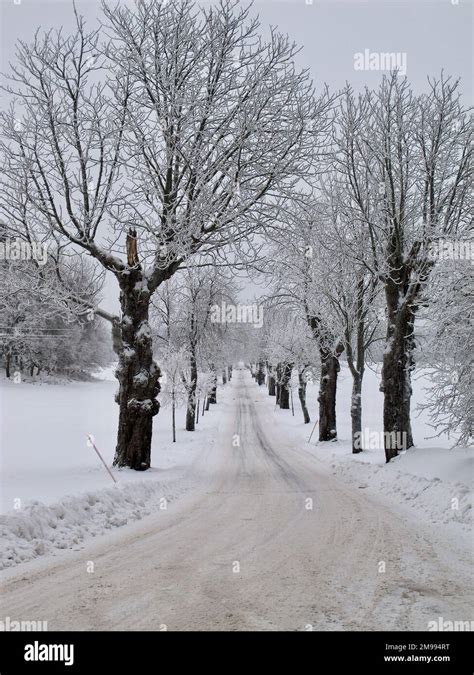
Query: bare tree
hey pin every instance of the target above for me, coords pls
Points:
(449, 349)
(46, 300)
(297, 272)
(183, 307)
(405, 162)
(351, 289)
(185, 129)
(289, 341)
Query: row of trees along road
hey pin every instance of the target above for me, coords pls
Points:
(184, 125)
(183, 131)
(354, 258)
(197, 349)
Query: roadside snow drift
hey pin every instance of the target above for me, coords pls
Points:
(55, 493)
(38, 529)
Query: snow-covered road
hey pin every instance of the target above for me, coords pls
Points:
(267, 539)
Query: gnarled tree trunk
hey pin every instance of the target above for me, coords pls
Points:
(330, 367)
(327, 395)
(137, 374)
(212, 398)
(285, 386)
(396, 374)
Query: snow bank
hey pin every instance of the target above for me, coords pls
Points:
(430, 483)
(435, 498)
(38, 528)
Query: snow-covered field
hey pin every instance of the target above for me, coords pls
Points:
(55, 492)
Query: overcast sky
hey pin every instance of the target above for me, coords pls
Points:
(431, 34)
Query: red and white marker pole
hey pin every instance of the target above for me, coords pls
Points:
(90, 439)
(311, 434)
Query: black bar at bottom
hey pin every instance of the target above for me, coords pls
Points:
(147, 652)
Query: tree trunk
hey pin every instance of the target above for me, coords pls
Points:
(213, 394)
(224, 375)
(328, 381)
(356, 413)
(191, 407)
(8, 366)
(356, 363)
(173, 415)
(271, 386)
(284, 398)
(284, 386)
(327, 396)
(229, 371)
(278, 384)
(396, 376)
(137, 374)
(302, 396)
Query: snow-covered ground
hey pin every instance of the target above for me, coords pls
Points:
(432, 478)
(55, 492)
(45, 454)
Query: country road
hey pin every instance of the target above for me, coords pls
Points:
(266, 540)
